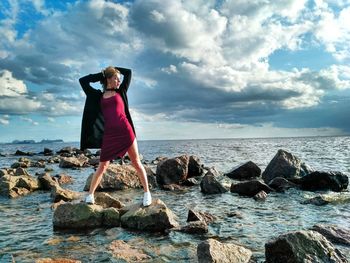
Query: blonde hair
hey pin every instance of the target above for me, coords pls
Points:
(108, 72)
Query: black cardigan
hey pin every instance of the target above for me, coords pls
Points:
(92, 126)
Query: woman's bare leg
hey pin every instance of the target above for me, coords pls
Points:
(135, 160)
(96, 178)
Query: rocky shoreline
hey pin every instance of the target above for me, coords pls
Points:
(178, 174)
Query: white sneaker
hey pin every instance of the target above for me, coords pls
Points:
(89, 199)
(147, 199)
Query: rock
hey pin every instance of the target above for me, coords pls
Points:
(156, 217)
(172, 171)
(281, 184)
(173, 187)
(117, 177)
(21, 171)
(19, 152)
(159, 159)
(209, 185)
(111, 217)
(7, 183)
(3, 172)
(67, 149)
(55, 205)
(122, 250)
(151, 177)
(235, 214)
(285, 165)
(250, 188)
(261, 196)
(212, 250)
(334, 233)
(63, 178)
(213, 171)
(58, 194)
(302, 246)
(18, 191)
(48, 152)
(28, 182)
(317, 200)
(191, 182)
(46, 181)
(194, 215)
(56, 260)
(94, 161)
(245, 171)
(105, 200)
(334, 181)
(77, 216)
(195, 227)
(23, 164)
(39, 164)
(195, 168)
(70, 162)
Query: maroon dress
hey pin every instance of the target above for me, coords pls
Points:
(118, 134)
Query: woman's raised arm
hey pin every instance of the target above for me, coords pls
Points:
(126, 78)
(86, 80)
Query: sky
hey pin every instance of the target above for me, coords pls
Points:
(201, 68)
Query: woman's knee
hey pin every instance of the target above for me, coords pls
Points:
(137, 163)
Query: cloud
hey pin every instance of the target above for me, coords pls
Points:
(4, 120)
(29, 120)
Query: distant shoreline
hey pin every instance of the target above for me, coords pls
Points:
(33, 141)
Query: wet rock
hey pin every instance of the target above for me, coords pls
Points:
(7, 183)
(209, 185)
(334, 233)
(235, 214)
(151, 177)
(28, 182)
(302, 246)
(22, 162)
(95, 161)
(213, 171)
(212, 250)
(194, 215)
(56, 260)
(195, 168)
(19, 152)
(58, 194)
(47, 152)
(191, 182)
(21, 171)
(105, 200)
(17, 192)
(77, 216)
(67, 149)
(39, 164)
(3, 172)
(117, 177)
(70, 162)
(250, 188)
(261, 196)
(173, 187)
(334, 181)
(195, 227)
(122, 250)
(172, 171)
(46, 181)
(156, 217)
(281, 184)
(111, 217)
(63, 178)
(286, 165)
(159, 159)
(245, 171)
(317, 200)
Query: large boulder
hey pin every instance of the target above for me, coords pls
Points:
(250, 188)
(14, 186)
(7, 183)
(302, 246)
(47, 181)
(117, 177)
(105, 200)
(315, 181)
(286, 165)
(245, 171)
(195, 168)
(210, 185)
(58, 194)
(211, 251)
(81, 216)
(172, 171)
(77, 216)
(156, 217)
(281, 184)
(334, 233)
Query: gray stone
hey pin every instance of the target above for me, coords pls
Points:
(302, 246)
(245, 171)
(209, 185)
(211, 251)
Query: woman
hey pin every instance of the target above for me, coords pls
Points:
(107, 124)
